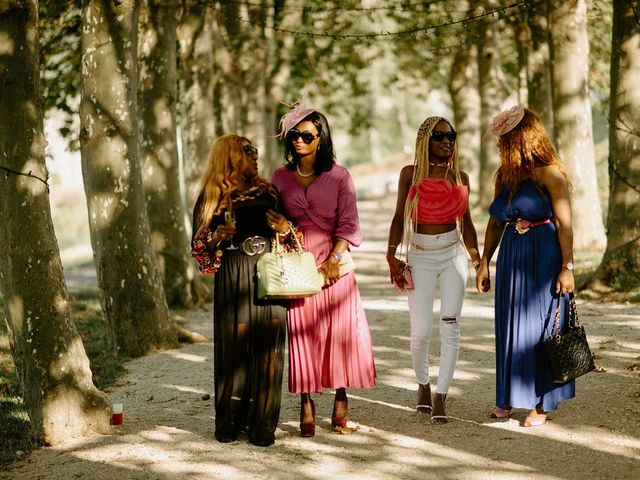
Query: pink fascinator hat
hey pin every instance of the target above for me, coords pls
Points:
(506, 120)
(299, 110)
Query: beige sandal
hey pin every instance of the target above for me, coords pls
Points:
(499, 413)
(535, 419)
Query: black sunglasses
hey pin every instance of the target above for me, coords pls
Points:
(250, 150)
(307, 137)
(439, 136)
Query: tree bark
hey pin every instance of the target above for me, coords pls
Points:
(573, 118)
(492, 93)
(620, 266)
(48, 353)
(196, 84)
(157, 95)
(540, 97)
(465, 97)
(132, 295)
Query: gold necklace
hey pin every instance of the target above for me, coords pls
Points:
(305, 175)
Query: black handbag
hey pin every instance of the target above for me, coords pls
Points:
(568, 352)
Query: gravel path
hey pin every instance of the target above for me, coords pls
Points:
(168, 419)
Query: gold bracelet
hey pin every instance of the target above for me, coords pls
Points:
(476, 263)
(389, 247)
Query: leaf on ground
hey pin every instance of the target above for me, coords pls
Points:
(634, 368)
(600, 369)
(150, 398)
(346, 430)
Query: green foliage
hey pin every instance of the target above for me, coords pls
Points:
(60, 56)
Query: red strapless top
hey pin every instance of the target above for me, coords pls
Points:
(439, 201)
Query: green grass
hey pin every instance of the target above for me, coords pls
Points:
(14, 422)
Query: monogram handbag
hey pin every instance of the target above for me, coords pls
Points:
(568, 352)
(283, 275)
(407, 279)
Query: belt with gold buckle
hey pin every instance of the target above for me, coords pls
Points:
(522, 226)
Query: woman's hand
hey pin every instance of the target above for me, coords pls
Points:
(483, 281)
(566, 282)
(277, 222)
(330, 269)
(220, 234)
(396, 270)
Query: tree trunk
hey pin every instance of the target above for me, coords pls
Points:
(196, 109)
(50, 359)
(620, 267)
(277, 73)
(132, 295)
(573, 118)
(463, 88)
(521, 34)
(157, 95)
(492, 93)
(540, 98)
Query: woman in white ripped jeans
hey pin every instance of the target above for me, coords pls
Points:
(432, 218)
(433, 257)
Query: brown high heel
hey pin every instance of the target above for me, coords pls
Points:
(438, 405)
(424, 405)
(340, 420)
(308, 429)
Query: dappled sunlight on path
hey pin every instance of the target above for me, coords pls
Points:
(169, 413)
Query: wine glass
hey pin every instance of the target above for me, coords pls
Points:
(230, 220)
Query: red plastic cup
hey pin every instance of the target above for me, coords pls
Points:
(116, 416)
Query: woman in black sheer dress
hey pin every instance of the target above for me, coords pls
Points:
(234, 219)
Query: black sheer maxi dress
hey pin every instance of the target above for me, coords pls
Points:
(249, 334)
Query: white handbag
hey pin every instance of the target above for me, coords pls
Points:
(283, 275)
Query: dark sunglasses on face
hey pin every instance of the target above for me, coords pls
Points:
(250, 150)
(307, 137)
(439, 136)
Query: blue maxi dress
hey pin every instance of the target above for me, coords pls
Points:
(527, 267)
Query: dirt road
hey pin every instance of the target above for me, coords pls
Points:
(168, 426)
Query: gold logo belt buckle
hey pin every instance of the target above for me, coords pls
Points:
(521, 229)
(253, 245)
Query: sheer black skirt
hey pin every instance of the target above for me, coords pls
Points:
(249, 342)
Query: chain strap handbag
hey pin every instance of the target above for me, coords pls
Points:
(568, 352)
(284, 275)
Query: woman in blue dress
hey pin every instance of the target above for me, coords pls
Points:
(531, 221)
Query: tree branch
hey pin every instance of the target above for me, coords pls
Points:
(29, 174)
(624, 180)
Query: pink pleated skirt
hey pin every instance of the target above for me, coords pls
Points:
(329, 338)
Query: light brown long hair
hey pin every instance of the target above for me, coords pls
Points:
(223, 178)
(524, 149)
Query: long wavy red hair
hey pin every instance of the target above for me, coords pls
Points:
(523, 150)
(227, 162)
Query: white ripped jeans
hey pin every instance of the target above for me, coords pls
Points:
(431, 257)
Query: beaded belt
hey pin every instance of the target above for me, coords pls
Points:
(253, 245)
(523, 226)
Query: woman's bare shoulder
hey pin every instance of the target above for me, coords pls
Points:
(406, 172)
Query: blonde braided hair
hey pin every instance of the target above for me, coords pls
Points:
(421, 171)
